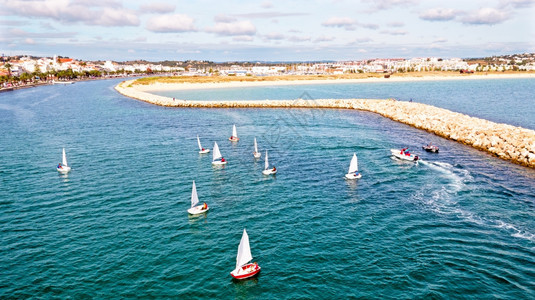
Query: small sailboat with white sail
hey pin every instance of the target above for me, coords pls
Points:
(353, 172)
(234, 137)
(201, 149)
(245, 269)
(196, 209)
(267, 169)
(63, 167)
(217, 159)
(256, 154)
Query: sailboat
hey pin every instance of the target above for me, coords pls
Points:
(244, 269)
(201, 149)
(256, 154)
(267, 170)
(234, 137)
(217, 159)
(199, 209)
(353, 172)
(63, 167)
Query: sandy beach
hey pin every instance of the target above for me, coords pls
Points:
(238, 82)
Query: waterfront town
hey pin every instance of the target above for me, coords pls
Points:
(20, 71)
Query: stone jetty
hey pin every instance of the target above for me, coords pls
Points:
(515, 144)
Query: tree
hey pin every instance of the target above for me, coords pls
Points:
(8, 67)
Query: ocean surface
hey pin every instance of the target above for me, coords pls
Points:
(459, 224)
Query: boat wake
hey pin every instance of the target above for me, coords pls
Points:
(453, 183)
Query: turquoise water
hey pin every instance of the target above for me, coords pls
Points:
(458, 225)
(510, 101)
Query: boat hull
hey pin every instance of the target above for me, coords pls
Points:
(204, 151)
(257, 154)
(353, 176)
(397, 153)
(247, 271)
(64, 170)
(197, 210)
(219, 163)
(430, 149)
(269, 172)
(233, 139)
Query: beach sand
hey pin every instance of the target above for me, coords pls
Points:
(237, 82)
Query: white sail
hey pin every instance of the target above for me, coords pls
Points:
(199, 142)
(234, 132)
(255, 146)
(244, 251)
(216, 154)
(353, 166)
(194, 197)
(266, 164)
(64, 161)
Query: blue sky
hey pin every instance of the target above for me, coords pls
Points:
(266, 30)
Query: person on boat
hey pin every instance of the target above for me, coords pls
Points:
(274, 169)
(222, 159)
(60, 166)
(204, 206)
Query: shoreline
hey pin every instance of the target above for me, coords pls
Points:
(511, 143)
(161, 86)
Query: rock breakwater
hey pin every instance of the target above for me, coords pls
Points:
(515, 144)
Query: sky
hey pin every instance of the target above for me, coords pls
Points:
(266, 30)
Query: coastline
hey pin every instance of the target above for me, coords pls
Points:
(511, 143)
(162, 86)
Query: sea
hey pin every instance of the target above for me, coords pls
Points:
(459, 224)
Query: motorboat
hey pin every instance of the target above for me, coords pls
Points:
(404, 154)
(430, 148)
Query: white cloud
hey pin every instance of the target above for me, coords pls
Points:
(440, 40)
(339, 22)
(387, 4)
(517, 3)
(485, 16)
(363, 40)
(111, 17)
(298, 39)
(394, 32)
(342, 22)
(347, 23)
(266, 4)
(171, 23)
(29, 41)
(96, 12)
(233, 28)
(243, 38)
(439, 14)
(395, 24)
(221, 18)
(157, 7)
(324, 39)
(274, 36)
